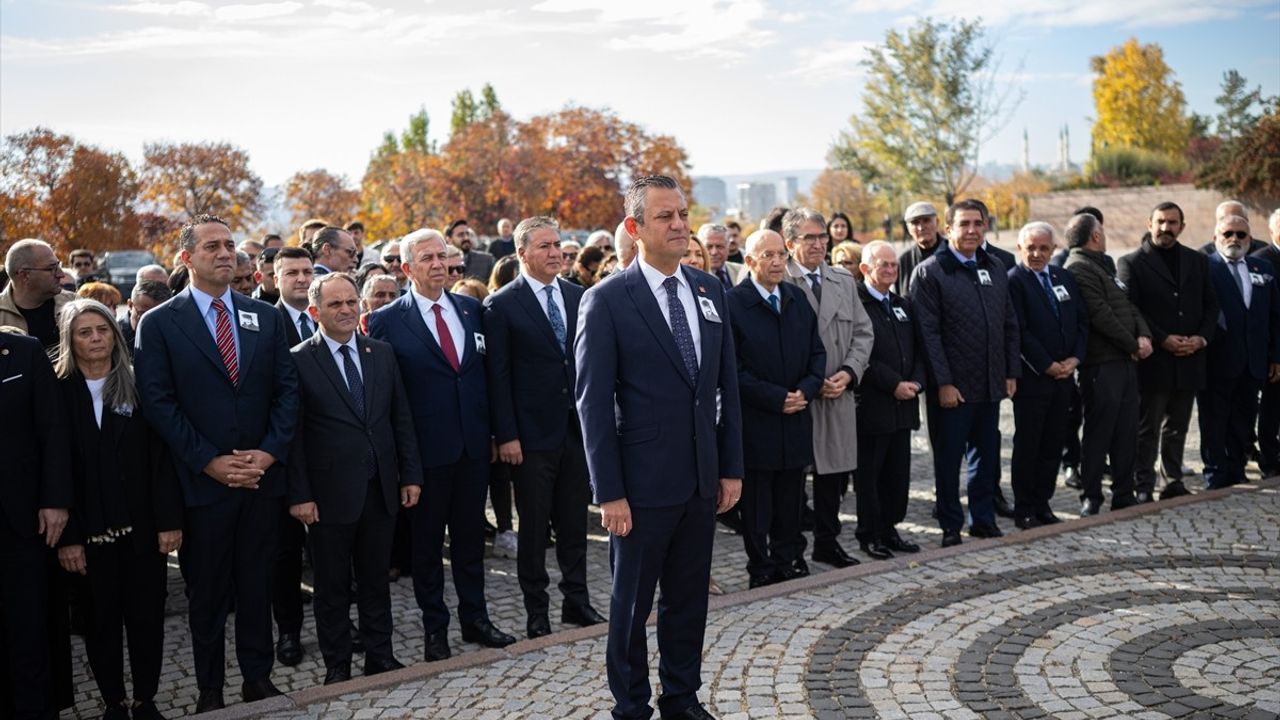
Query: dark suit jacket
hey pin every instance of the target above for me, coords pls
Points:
(190, 401)
(478, 264)
(450, 408)
(1005, 257)
(777, 353)
(291, 335)
(1186, 305)
(333, 440)
(33, 440)
(650, 434)
(1248, 339)
(153, 497)
(1270, 253)
(894, 359)
(1047, 338)
(128, 331)
(531, 376)
(909, 259)
(502, 247)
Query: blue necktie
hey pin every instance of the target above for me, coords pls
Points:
(773, 303)
(971, 264)
(553, 314)
(305, 331)
(1048, 288)
(888, 306)
(355, 385)
(680, 328)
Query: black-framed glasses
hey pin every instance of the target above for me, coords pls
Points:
(1241, 234)
(391, 259)
(457, 270)
(54, 268)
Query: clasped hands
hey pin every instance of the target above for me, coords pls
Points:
(1182, 345)
(240, 469)
(615, 515)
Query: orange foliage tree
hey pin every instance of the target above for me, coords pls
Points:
(189, 179)
(66, 193)
(843, 191)
(320, 193)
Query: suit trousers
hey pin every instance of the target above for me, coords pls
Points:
(23, 598)
(552, 489)
(1040, 431)
(452, 497)
(1109, 392)
(882, 483)
(669, 548)
(1075, 418)
(1228, 408)
(1269, 430)
(827, 492)
(1163, 419)
(335, 548)
(286, 595)
(127, 591)
(228, 552)
(771, 520)
(969, 432)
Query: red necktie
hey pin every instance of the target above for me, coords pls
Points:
(446, 339)
(226, 341)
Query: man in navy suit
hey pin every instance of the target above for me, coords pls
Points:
(1054, 338)
(781, 367)
(1269, 406)
(439, 343)
(529, 327)
(1243, 355)
(654, 353)
(219, 386)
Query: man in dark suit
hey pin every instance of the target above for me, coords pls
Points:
(1226, 209)
(34, 498)
(1244, 353)
(1269, 408)
(529, 328)
(145, 296)
(293, 271)
(654, 355)
(1054, 336)
(439, 343)
(355, 462)
(781, 367)
(477, 264)
(218, 385)
(1170, 286)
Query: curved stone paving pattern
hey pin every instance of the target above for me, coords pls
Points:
(1235, 671)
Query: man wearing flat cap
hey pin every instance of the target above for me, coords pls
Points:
(922, 222)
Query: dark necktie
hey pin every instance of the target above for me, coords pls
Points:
(304, 326)
(553, 315)
(226, 341)
(680, 328)
(888, 306)
(1048, 289)
(355, 386)
(1234, 265)
(971, 264)
(816, 285)
(724, 277)
(773, 303)
(446, 338)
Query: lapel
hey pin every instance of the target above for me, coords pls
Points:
(367, 373)
(5, 352)
(795, 273)
(319, 350)
(1036, 288)
(647, 305)
(192, 325)
(470, 328)
(1161, 268)
(529, 301)
(248, 338)
(832, 284)
(705, 326)
(412, 317)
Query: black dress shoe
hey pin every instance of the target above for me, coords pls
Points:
(1071, 478)
(1120, 502)
(1143, 497)
(210, 699)
(538, 626)
(374, 666)
(253, 690)
(580, 615)
(1046, 517)
(1174, 489)
(1090, 507)
(983, 530)
(950, 538)
(1026, 522)
(834, 556)
(1003, 508)
(876, 550)
(436, 646)
(289, 649)
(484, 633)
(894, 542)
(115, 712)
(693, 712)
(755, 581)
(146, 710)
(338, 673)
(798, 569)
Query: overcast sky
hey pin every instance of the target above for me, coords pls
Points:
(744, 85)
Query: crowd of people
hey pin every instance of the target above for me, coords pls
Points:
(349, 403)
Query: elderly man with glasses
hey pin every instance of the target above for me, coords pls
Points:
(34, 298)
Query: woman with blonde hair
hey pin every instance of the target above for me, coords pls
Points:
(847, 255)
(127, 512)
(696, 255)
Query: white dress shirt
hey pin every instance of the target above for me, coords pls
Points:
(540, 293)
(293, 317)
(873, 292)
(335, 349)
(204, 302)
(1241, 269)
(766, 294)
(451, 319)
(684, 294)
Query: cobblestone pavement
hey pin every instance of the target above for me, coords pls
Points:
(1163, 615)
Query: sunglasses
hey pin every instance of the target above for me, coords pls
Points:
(1241, 234)
(391, 259)
(457, 270)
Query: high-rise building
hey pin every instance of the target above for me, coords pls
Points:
(788, 188)
(756, 199)
(710, 193)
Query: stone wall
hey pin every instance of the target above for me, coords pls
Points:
(1127, 209)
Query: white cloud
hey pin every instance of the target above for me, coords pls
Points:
(1091, 13)
(134, 41)
(714, 28)
(183, 8)
(830, 60)
(262, 11)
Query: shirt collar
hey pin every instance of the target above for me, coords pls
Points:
(537, 285)
(425, 303)
(874, 292)
(960, 258)
(204, 300)
(765, 293)
(293, 313)
(334, 345)
(655, 278)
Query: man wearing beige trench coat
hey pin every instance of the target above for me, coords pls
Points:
(847, 334)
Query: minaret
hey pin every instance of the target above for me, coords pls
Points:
(1064, 149)
(1026, 152)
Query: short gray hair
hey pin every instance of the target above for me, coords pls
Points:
(452, 251)
(706, 229)
(145, 269)
(637, 192)
(1230, 220)
(372, 281)
(1244, 210)
(1034, 228)
(1079, 229)
(529, 225)
(242, 258)
(870, 249)
(119, 391)
(409, 242)
(21, 253)
(317, 286)
(792, 221)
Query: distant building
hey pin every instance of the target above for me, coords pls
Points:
(756, 199)
(787, 189)
(710, 193)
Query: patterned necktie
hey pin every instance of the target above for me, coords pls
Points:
(773, 303)
(1048, 288)
(304, 326)
(553, 315)
(724, 277)
(446, 338)
(1235, 275)
(816, 285)
(226, 341)
(680, 328)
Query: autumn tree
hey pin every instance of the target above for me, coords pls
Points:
(929, 103)
(1248, 167)
(1138, 102)
(320, 193)
(397, 192)
(189, 179)
(837, 190)
(69, 194)
(1010, 201)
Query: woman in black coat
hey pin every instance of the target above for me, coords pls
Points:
(127, 513)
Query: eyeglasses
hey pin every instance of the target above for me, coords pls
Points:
(846, 263)
(814, 238)
(391, 259)
(55, 268)
(457, 270)
(1227, 235)
(769, 255)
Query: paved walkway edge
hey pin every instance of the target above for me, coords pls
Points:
(420, 671)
